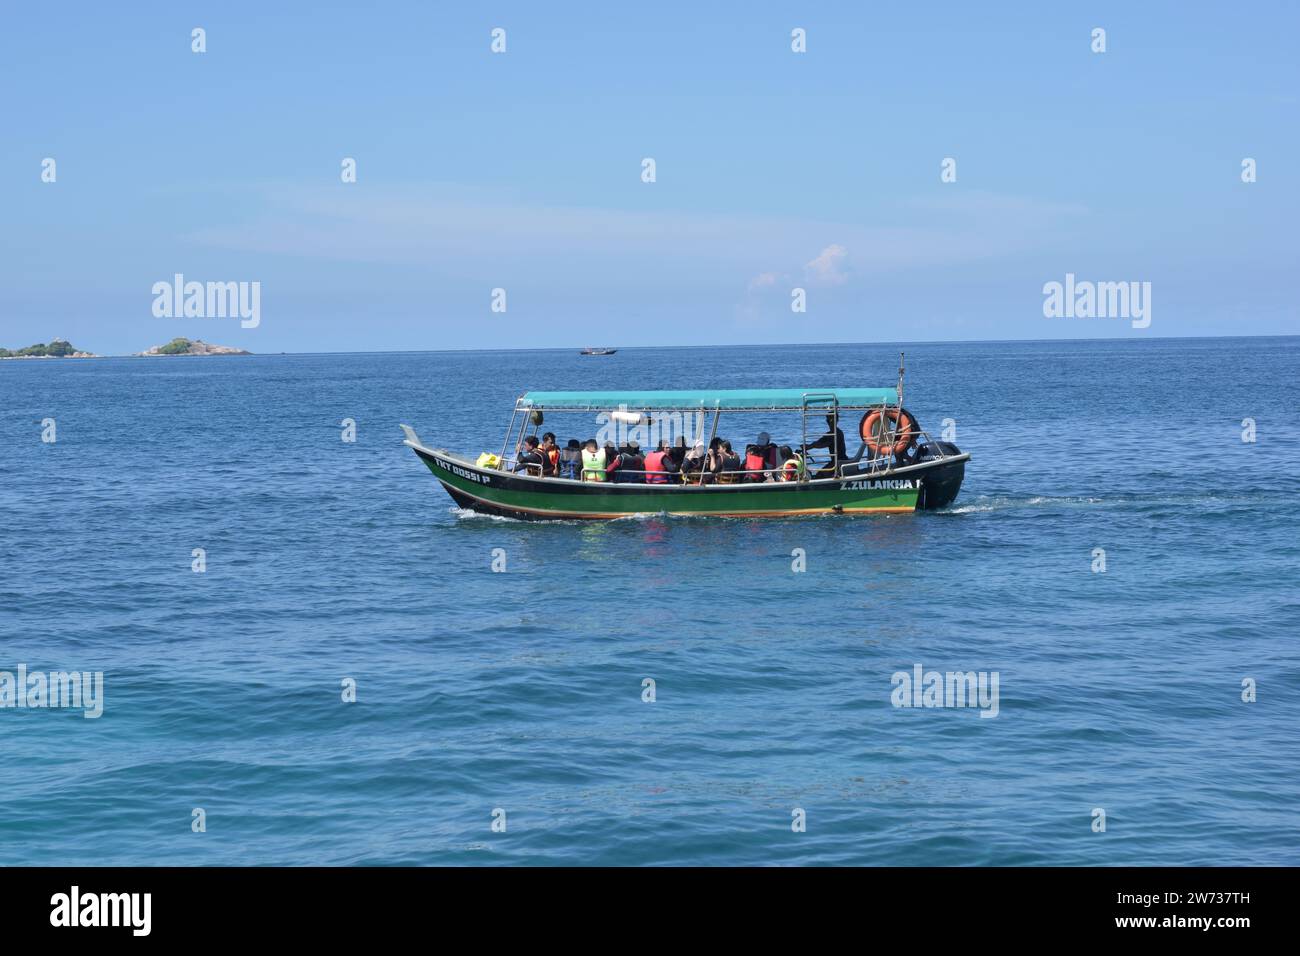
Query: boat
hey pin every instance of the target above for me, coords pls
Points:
(593, 351)
(899, 468)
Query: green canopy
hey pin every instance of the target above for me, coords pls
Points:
(756, 399)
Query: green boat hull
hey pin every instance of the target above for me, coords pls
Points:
(518, 496)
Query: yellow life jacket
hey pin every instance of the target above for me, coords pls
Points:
(800, 470)
(593, 465)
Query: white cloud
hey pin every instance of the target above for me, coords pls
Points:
(828, 267)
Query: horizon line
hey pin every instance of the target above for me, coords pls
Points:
(746, 345)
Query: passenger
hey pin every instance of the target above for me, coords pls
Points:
(760, 459)
(529, 459)
(631, 465)
(611, 460)
(676, 457)
(792, 468)
(833, 442)
(570, 460)
(693, 464)
(712, 462)
(728, 464)
(551, 452)
(593, 462)
(678, 454)
(659, 465)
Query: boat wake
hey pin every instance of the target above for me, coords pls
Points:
(465, 514)
(990, 503)
(985, 503)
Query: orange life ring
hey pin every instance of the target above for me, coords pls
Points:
(901, 423)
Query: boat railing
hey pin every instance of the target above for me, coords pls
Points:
(881, 465)
(672, 476)
(870, 464)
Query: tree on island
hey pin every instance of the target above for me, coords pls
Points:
(183, 346)
(56, 349)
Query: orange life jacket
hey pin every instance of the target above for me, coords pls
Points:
(656, 473)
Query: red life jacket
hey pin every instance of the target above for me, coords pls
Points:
(656, 474)
(755, 462)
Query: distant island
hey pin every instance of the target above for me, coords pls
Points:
(58, 348)
(192, 347)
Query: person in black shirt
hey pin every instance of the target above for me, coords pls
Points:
(631, 465)
(724, 463)
(550, 453)
(833, 442)
(529, 459)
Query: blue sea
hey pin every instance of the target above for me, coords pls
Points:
(518, 696)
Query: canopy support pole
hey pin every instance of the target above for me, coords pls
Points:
(506, 441)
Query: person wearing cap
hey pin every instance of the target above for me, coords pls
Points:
(760, 458)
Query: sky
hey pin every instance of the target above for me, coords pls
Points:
(522, 171)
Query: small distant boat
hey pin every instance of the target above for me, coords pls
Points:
(898, 468)
(590, 351)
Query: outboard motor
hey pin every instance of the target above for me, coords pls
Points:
(927, 451)
(940, 485)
